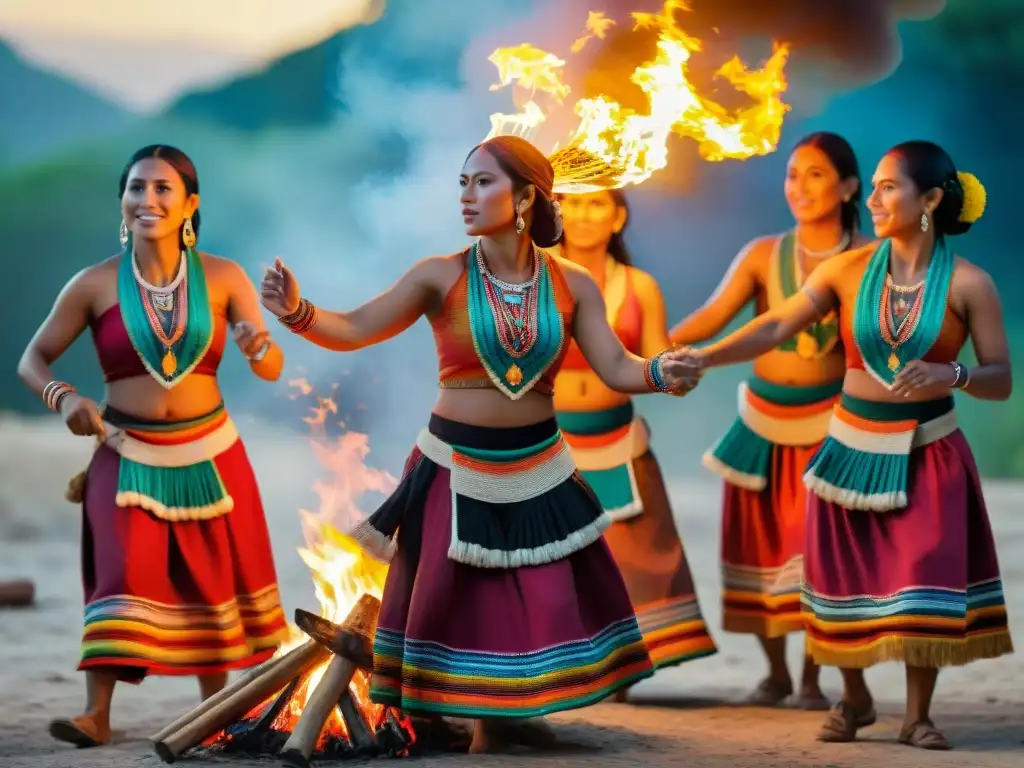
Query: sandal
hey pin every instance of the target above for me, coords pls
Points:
(80, 731)
(813, 703)
(924, 735)
(770, 693)
(844, 721)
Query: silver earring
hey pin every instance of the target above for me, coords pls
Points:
(123, 234)
(520, 222)
(924, 222)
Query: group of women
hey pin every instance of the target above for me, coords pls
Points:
(534, 562)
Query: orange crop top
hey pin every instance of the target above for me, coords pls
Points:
(628, 326)
(118, 357)
(459, 366)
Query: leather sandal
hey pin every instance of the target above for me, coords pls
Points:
(844, 721)
(80, 731)
(770, 693)
(924, 735)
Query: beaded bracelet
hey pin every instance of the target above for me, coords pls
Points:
(652, 375)
(302, 319)
(54, 394)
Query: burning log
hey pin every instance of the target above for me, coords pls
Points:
(352, 646)
(17, 594)
(203, 722)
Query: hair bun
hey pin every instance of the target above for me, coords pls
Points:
(974, 197)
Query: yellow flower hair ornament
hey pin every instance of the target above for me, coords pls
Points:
(974, 197)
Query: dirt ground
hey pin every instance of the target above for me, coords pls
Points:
(682, 716)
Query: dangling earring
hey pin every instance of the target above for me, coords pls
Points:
(924, 222)
(123, 234)
(188, 235)
(520, 221)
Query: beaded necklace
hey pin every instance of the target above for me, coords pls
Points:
(885, 342)
(517, 329)
(169, 344)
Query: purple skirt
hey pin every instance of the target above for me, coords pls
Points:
(471, 641)
(920, 584)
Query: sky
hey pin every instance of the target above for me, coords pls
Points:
(143, 54)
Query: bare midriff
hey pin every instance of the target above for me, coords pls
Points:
(143, 397)
(583, 390)
(490, 408)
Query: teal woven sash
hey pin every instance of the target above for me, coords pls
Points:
(514, 376)
(743, 457)
(869, 469)
(616, 487)
(867, 313)
(194, 342)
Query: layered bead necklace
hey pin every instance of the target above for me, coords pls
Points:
(166, 309)
(900, 313)
(514, 308)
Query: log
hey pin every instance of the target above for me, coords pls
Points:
(359, 732)
(353, 638)
(228, 690)
(293, 664)
(17, 594)
(297, 751)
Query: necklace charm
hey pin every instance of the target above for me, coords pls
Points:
(894, 361)
(169, 364)
(163, 301)
(514, 375)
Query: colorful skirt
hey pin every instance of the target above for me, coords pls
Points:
(762, 459)
(901, 564)
(611, 449)
(177, 569)
(502, 598)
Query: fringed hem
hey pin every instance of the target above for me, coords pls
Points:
(477, 555)
(914, 652)
(129, 499)
(851, 499)
(756, 483)
(380, 547)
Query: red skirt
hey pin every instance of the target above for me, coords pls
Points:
(188, 597)
(763, 546)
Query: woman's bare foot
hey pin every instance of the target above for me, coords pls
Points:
(488, 738)
(82, 731)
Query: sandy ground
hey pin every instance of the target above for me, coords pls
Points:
(683, 714)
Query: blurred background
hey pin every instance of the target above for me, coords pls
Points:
(331, 133)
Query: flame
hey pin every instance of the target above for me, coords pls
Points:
(612, 145)
(340, 570)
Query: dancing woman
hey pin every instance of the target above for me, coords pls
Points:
(502, 600)
(784, 410)
(609, 441)
(176, 562)
(900, 563)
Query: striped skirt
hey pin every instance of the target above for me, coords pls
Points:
(901, 564)
(177, 568)
(502, 599)
(612, 451)
(762, 459)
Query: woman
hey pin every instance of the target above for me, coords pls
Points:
(502, 600)
(784, 410)
(610, 442)
(176, 563)
(900, 563)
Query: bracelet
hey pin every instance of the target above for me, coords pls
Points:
(653, 377)
(302, 319)
(54, 394)
(962, 372)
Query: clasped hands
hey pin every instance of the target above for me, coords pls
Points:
(682, 369)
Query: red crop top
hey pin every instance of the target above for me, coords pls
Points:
(118, 357)
(628, 326)
(459, 367)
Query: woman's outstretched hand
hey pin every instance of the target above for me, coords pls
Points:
(279, 291)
